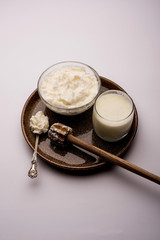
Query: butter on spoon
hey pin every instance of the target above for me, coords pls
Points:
(39, 124)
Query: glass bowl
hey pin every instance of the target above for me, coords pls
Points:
(52, 92)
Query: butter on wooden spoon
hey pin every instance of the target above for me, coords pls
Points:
(39, 124)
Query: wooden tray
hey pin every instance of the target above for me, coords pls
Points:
(73, 158)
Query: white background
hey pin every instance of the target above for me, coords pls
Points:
(121, 40)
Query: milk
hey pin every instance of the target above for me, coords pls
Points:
(113, 115)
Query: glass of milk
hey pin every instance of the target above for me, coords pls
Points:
(113, 114)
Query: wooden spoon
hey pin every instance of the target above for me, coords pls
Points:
(61, 134)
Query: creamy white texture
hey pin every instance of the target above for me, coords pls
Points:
(112, 116)
(114, 107)
(69, 87)
(39, 123)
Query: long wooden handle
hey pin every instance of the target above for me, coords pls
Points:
(114, 159)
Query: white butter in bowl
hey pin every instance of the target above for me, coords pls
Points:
(69, 88)
(113, 115)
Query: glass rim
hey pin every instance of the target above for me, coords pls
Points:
(119, 92)
(69, 108)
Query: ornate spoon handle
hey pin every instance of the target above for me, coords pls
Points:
(33, 170)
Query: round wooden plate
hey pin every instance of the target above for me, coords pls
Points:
(73, 158)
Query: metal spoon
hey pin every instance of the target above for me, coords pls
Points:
(33, 173)
(39, 124)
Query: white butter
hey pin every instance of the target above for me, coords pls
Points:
(69, 87)
(39, 123)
